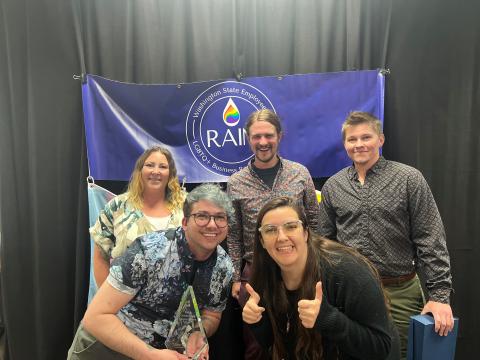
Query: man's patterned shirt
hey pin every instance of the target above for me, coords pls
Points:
(392, 219)
(157, 268)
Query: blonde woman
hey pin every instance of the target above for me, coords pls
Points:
(153, 201)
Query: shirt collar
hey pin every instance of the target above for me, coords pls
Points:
(250, 163)
(183, 249)
(375, 169)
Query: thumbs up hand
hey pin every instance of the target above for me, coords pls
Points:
(308, 309)
(252, 313)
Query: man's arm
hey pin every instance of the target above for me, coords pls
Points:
(327, 225)
(101, 321)
(210, 321)
(310, 202)
(101, 266)
(428, 235)
(234, 243)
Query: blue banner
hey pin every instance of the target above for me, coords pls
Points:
(202, 123)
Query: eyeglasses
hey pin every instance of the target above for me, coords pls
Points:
(270, 232)
(202, 219)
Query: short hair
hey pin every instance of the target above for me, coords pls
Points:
(360, 117)
(174, 194)
(209, 192)
(264, 115)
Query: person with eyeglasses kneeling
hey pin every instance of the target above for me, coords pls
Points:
(133, 311)
(312, 298)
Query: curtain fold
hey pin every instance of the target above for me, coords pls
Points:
(432, 48)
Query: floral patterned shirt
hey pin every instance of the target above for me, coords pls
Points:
(157, 268)
(120, 223)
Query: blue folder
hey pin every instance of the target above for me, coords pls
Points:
(425, 344)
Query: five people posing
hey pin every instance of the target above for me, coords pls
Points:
(307, 297)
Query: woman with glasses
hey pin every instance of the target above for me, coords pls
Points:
(153, 201)
(312, 298)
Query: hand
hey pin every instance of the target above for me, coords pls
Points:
(308, 309)
(252, 313)
(236, 289)
(196, 342)
(442, 314)
(166, 354)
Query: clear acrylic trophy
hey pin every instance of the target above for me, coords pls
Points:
(187, 335)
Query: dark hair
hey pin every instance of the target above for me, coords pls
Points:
(267, 280)
(264, 115)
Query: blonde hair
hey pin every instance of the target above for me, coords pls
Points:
(360, 117)
(174, 194)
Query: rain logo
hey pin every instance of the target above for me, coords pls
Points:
(214, 126)
(231, 115)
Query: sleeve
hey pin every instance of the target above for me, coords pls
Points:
(128, 272)
(102, 231)
(310, 202)
(358, 322)
(326, 216)
(235, 235)
(177, 217)
(262, 331)
(428, 235)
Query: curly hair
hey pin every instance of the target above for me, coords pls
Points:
(174, 194)
(210, 192)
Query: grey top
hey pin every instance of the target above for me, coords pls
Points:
(392, 219)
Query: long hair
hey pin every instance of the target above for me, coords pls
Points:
(267, 280)
(174, 195)
(264, 115)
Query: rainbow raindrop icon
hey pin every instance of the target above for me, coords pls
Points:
(231, 115)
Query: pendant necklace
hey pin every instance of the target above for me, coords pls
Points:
(288, 322)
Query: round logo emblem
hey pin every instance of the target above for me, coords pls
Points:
(215, 125)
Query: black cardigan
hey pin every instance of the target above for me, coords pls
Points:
(352, 321)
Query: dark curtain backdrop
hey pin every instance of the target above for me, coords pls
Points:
(432, 48)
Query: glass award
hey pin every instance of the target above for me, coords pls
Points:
(187, 335)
